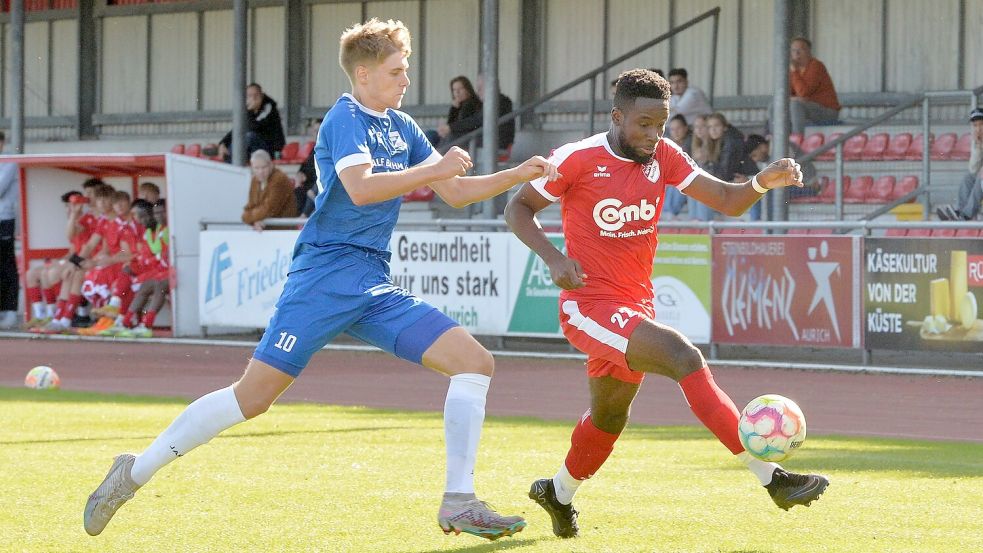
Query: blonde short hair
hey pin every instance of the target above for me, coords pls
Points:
(371, 43)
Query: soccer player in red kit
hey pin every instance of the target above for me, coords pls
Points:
(611, 191)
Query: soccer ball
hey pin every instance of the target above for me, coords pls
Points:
(42, 378)
(772, 427)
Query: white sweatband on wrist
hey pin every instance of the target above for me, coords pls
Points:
(757, 187)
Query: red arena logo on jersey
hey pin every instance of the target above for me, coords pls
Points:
(610, 216)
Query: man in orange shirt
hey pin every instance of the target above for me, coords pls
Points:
(813, 97)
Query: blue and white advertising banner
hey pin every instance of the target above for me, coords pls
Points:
(241, 275)
(464, 274)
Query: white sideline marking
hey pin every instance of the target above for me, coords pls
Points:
(516, 354)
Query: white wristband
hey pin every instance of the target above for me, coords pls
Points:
(757, 187)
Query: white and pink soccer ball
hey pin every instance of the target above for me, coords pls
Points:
(42, 378)
(772, 427)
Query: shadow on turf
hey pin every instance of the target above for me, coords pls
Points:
(498, 545)
(220, 437)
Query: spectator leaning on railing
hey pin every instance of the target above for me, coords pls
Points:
(271, 193)
(971, 188)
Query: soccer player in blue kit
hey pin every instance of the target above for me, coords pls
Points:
(368, 155)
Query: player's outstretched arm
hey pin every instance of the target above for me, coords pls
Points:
(365, 187)
(462, 191)
(734, 199)
(520, 214)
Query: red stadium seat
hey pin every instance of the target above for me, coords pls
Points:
(814, 199)
(422, 194)
(304, 152)
(898, 147)
(857, 192)
(914, 152)
(796, 138)
(854, 146)
(177, 149)
(919, 232)
(828, 194)
(880, 192)
(967, 233)
(505, 155)
(943, 146)
(875, 148)
(943, 232)
(962, 149)
(288, 154)
(896, 232)
(830, 154)
(193, 150)
(906, 185)
(812, 142)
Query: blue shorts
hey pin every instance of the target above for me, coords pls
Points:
(352, 294)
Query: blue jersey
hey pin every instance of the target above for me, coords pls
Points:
(352, 134)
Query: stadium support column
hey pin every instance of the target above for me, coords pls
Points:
(88, 68)
(17, 76)
(779, 121)
(489, 131)
(239, 31)
(296, 56)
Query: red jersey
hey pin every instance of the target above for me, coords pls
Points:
(610, 208)
(119, 231)
(88, 223)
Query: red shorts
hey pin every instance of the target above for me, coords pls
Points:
(601, 330)
(102, 283)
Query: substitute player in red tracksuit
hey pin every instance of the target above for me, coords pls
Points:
(611, 190)
(107, 287)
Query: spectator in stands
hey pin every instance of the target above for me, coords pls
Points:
(506, 131)
(270, 193)
(9, 205)
(971, 188)
(813, 98)
(700, 141)
(724, 151)
(305, 189)
(149, 192)
(680, 134)
(265, 130)
(460, 118)
(686, 100)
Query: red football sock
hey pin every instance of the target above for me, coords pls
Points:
(33, 295)
(68, 311)
(713, 407)
(148, 319)
(128, 319)
(59, 307)
(589, 448)
(51, 293)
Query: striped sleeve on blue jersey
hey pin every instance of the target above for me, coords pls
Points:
(420, 148)
(346, 136)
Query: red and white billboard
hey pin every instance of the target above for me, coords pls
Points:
(787, 290)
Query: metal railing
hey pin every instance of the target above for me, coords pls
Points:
(924, 100)
(593, 74)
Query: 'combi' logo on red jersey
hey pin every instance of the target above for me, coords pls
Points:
(611, 216)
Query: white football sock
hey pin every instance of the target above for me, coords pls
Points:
(39, 309)
(50, 310)
(565, 485)
(201, 421)
(464, 412)
(762, 469)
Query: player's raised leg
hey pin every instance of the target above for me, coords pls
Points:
(657, 348)
(201, 421)
(470, 367)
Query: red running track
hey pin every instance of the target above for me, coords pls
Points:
(835, 403)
